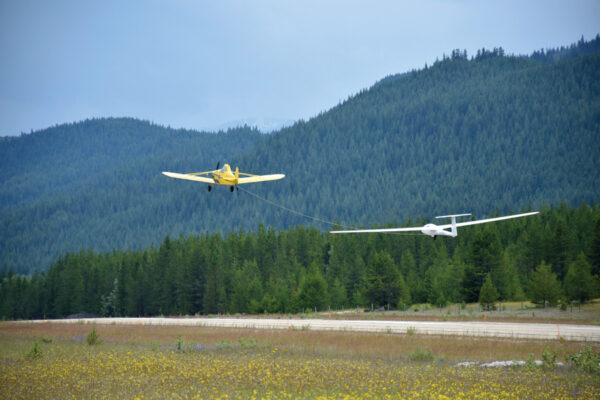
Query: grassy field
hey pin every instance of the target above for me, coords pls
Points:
(190, 362)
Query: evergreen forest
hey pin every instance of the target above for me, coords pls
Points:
(550, 259)
(483, 133)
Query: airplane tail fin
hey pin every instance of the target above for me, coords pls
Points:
(237, 175)
(453, 221)
(453, 231)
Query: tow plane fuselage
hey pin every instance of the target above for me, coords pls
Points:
(225, 176)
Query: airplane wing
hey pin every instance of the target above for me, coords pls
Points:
(200, 173)
(189, 177)
(447, 226)
(385, 230)
(260, 178)
(485, 221)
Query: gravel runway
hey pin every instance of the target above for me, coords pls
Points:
(587, 333)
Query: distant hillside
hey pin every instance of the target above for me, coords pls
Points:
(58, 160)
(493, 132)
(97, 184)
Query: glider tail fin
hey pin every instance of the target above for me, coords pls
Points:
(453, 231)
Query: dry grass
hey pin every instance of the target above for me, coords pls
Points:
(373, 346)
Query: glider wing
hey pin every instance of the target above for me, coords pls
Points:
(384, 230)
(484, 221)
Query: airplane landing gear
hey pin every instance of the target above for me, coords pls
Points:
(231, 189)
(209, 188)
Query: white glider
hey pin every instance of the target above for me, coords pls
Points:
(434, 230)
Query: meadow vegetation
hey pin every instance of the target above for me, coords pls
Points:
(190, 362)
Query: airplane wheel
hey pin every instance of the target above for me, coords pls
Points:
(209, 188)
(231, 188)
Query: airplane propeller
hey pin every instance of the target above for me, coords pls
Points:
(218, 163)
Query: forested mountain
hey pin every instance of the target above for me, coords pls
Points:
(97, 185)
(491, 132)
(60, 159)
(494, 132)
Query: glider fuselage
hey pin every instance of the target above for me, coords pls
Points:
(433, 230)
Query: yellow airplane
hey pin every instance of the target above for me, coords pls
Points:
(224, 176)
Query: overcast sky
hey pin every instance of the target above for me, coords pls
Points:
(210, 64)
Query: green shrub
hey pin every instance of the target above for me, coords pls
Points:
(224, 344)
(247, 343)
(549, 358)
(421, 355)
(35, 352)
(93, 338)
(564, 303)
(530, 364)
(179, 344)
(586, 360)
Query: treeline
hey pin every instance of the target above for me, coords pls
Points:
(553, 257)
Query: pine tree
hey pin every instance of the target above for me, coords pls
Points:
(485, 257)
(404, 300)
(338, 295)
(313, 289)
(255, 295)
(595, 249)
(544, 288)
(407, 262)
(488, 293)
(559, 249)
(579, 283)
(382, 283)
